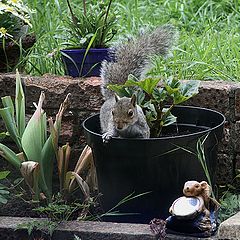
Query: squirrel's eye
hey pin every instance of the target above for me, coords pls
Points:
(196, 186)
(130, 113)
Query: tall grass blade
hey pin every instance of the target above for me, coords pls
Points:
(7, 102)
(200, 154)
(20, 105)
(60, 164)
(63, 161)
(66, 184)
(10, 156)
(32, 137)
(48, 155)
(126, 199)
(202, 159)
(83, 186)
(73, 62)
(49, 150)
(33, 142)
(59, 115)
(87, 50)
(44, 128)
(5, 53)
(6, 114)
(85, 164)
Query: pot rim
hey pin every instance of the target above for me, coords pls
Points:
(70, 50)
(166, 137)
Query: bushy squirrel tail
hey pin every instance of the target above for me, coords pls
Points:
(133, 56)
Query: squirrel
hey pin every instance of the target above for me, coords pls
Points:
(199, 189)
(122, 117)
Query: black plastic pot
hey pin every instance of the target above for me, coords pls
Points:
(160, 166)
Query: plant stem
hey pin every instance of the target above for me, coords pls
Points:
(5, 54)
(105, 20)
(162, 117)
(70, 8)
(84, 8)
(71, 11)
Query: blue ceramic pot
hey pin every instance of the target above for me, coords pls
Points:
(77, 66)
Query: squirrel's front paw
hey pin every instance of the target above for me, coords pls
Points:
(106, 137)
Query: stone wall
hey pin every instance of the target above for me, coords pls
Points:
(90, 230)
(86, 100)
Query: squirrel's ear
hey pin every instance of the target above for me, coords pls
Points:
(117, 98)
(204, 184)
(133, 100)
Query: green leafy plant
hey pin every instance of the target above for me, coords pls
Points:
(93, 24)
(13, 15)
(16, 8)
(60, 210)
(230, 205)
(3, 135)
(199, 152)
(230, 198)
(71, 180)
(46, 228)
(4, 193)
(56, 212)
(10, 25)
(76, 237)
(37, 150)
(153, 98)
(14, 23)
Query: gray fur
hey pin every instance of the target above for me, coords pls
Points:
(130, 127)
(133, 56)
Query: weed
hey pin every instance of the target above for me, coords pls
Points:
(4, 193)
(45, 227)
(230, 205)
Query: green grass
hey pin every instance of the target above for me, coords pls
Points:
(208, 47)
(48, 28)
(211, 56)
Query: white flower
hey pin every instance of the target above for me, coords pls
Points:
(18, 9)
(3, 33)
